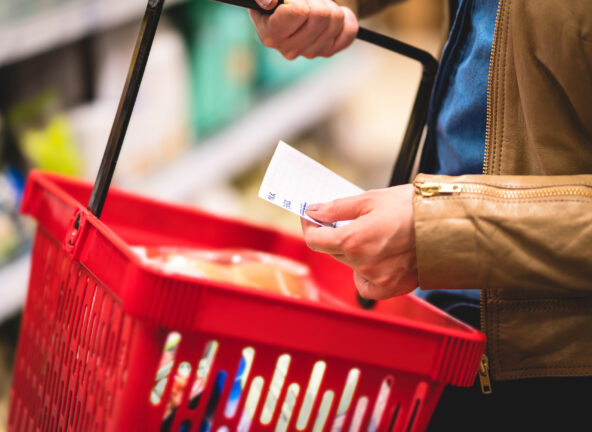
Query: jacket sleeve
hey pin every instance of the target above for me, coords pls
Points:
(522, 236)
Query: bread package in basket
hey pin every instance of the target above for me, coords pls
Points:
(243, 267)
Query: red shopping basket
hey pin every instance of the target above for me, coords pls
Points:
(109, 343)
(97, 319)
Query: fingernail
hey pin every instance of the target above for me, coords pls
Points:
(265, 3)
(313, 207)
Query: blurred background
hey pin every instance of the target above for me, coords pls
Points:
(213, 104)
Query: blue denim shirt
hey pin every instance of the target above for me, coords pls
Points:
(455, 142)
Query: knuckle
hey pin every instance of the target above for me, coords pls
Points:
(387, 280)
(322, 15)
(290, 55)
(269, 42)
(352, 245)
(337, 14)
(368, 198)
(395, 284)
(366, 269)
(327, 50)
(300, 11)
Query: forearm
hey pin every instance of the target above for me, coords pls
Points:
(520, 236)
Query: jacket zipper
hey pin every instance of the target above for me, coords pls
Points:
(484, 379)
(489, 115)
(484, 367)
(433, 189)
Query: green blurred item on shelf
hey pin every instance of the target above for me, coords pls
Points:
(274, 71)
(51, 148)
(44, 135)
(222, 50)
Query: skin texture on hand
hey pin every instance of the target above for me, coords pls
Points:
(378, 243)
(308, 28)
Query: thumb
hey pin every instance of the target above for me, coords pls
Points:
(267, 4)
(338, 210)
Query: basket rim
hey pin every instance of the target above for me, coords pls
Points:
(50, 181)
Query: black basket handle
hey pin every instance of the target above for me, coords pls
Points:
(126, 106)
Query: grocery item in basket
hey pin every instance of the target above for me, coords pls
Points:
(243, 267)
(181, 378)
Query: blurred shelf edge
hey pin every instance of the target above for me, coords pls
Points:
(245, 142)
(64, 22)
(14, 279)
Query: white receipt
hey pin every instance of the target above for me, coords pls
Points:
(294, 180)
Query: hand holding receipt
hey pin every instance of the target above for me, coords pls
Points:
(293, 181)
(370, 231)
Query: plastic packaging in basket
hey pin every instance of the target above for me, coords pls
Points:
(110, 344)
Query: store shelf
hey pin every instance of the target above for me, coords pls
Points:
(245, 142)
(253, 136)
(14, 279)
(59, 23)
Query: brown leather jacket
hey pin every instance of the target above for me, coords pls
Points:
(522, 231)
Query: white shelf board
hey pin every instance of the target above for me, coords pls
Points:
(62, 23)
(253, 136)
(14, 280)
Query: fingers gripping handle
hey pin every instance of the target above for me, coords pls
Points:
(426, 59)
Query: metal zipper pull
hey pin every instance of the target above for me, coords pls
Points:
(484, 375)
(430, 189)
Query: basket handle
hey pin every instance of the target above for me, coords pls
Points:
(126, 106)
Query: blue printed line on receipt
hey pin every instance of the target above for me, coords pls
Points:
(293, 180)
